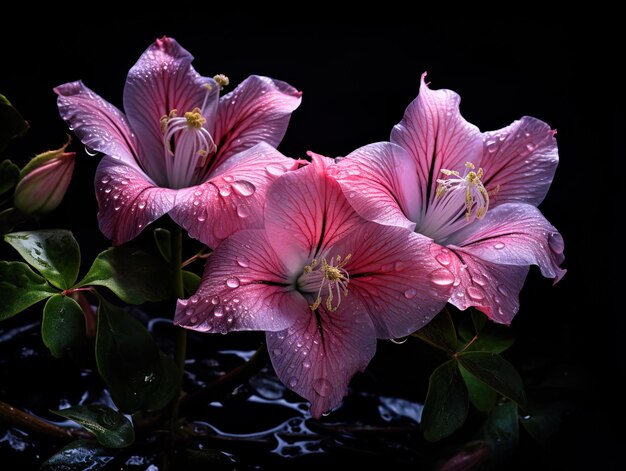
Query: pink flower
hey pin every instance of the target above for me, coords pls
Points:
(475, 194)
(180, 149)
(323, 283)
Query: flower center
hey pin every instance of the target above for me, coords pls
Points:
(187, 144)
(328, 274)
(476, 196)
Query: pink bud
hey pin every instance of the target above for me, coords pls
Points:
(44, 182)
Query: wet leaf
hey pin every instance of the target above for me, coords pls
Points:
(191, 281)
(21, 287)
(81, 455)
(439, 332)
(63, 326)
(112, 429)
(163, 239)
(133, 275)
(480, 395)
(495, 372)
(446, 405)
(129, 361)
(9, 176)
(492, 337)
(11, 123)
(52, 252)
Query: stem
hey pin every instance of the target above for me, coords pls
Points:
(197, 256)
(25, 421)
(88, 311)
(226, 383)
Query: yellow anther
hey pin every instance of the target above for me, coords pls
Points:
(475, 192)
(222, 80)
(330, 275)
(194, 118)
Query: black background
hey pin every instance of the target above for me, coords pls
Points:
(357, 80)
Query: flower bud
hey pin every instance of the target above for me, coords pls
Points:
(44, 181)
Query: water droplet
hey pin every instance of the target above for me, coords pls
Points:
(460, 294)
(194, 299)
(274, 170)
(90, 152)
(322, 387)
(243, 188)
(354, 171)
(193, 320)
(442, 277)
(476, 293)
(189, 311)
(141, 205)
(277, 351)
(218, 312)
(236, 300)
(243, 210)
(410, 293)
(293, 381)
(531, 147)
(108, 189)
(491, 146)
(243, 261)
(196, 202)
(306, 364)
(503, 290)
(443, 258)
(106, 179)
(215, 300)
(202, 217)
(233, 282)
(499, 246)
(229, 319)
(227, 178)
(399, 341)
(352, 194)
(197, 193)
(225, 190)
(124, 182)
(527, 417)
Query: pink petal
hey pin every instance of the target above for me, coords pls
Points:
(491, 288)
(516, 234)
(258, 110)
(128, 200)
(245, 287)
(318, 355)
(437, 137)
(234, 196)
(520, 160)
(306, 213)
(163, 80)
(380, 182)
(391, 275)
(98, 124)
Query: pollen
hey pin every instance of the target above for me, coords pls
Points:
(222, 80)
(195, 119)
(475, 195)
(328, 278)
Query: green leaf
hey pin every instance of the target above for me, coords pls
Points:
(9, 176)
(111, 428)
(492, 337)
(480, 395)
(191, 281)
(63, 326)
(11, 123)
(439, 332)
(501, 430)
(133, 275)
(129, 361)
(446, 405)
(21, 287)
(52, 252)
(495, 372)
(80, 455)
(163, 239)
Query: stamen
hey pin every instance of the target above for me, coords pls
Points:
(222, 80)
(331, 275)
(476, 196)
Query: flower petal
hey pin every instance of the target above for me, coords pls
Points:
(98, 124)
(244, 287)
(234, 196)
(391, 274)
(437, 137)
(318, 355)
(491, 288)
(163, 80)
(258, 110)
(306, 213)
(520, 160)
(380, 182)
(128, 200)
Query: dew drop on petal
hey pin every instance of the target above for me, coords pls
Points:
(476, 293)
(225, 190)
(293, 381)
(233, 282)
(243, 188)
(306, 364)
(274, 170)
(499, 246)
(441, 277)
(194, 299)
(322, 387)
(503, 290)
(243, 211)
(399, 341)
(141, 205)
(277, 351)
(491, 146)
(215, 300)
(443, 258)
(202, 217)
(243, 261)
(189, 311)
(410, 293)
(227, 178)
(218, 312)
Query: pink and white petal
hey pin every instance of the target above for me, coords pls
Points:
(306, 212)
(491, 288)
(98, 124)
(391, 274)
(520, 161)
(162, 80)
(516, 234)
(128, 200)
(437, 137)
(318, 355)
(233, 198)
(258, 110)
(380, 182)
(244, 287)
